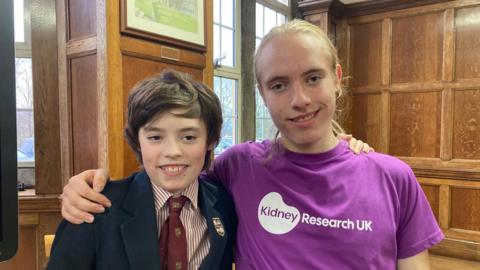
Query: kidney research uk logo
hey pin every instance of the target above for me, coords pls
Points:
(277, 217)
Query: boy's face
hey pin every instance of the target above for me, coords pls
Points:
(173, 150)
(298, 86)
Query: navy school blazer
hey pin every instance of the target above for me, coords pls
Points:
(125, 235)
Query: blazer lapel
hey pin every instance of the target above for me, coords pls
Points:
(139, 231)
(215, 224)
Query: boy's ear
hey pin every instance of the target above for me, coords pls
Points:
(339, 72)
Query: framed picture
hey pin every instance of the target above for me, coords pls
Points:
(179, 23)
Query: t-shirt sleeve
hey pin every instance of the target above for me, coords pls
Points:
(418, 229)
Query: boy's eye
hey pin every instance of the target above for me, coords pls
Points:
(278, 87)
(154, 138)
(314, 79)
(189, 138)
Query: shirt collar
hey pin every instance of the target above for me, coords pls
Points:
(161, 196)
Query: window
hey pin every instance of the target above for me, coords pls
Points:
(267, 16)
(226, 90)
(227, 69)
(23, 81)
(228, 66)
(224, 33)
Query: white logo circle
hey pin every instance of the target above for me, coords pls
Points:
(275, 216)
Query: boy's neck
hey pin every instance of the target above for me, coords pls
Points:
(323, 145)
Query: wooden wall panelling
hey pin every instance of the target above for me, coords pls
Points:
(39, 204)
(449, 263)
(465, 209)
(38, 215)
(365, 70)
(42, 212)
(415, 124)
(324, 14)
(367, 119)
(81, 19)
(156, 52)
(456, 248)
(309, 8)
(27, 251)
(114, 85)
(102, 86)
(448, 45)
(25, 259)
(385, 123)
(46, 98)
(343, 50)
(447, 125)
(63, 93)
(331, 30)
(366, 54)
(433, 195)
(458, 216)
(83, 91)
(444, 206)
(459, 235)
(419, 57)
(208, 71)
(48, 223)
(384, 6)
(467, 55)
(441, 6)
(466, 131)
(464, 169)
(84, 108)
(76, 45)
(319, 19)
(447, 76)
(81, 47)
(386, 51)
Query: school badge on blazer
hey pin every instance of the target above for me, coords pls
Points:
(218, 225)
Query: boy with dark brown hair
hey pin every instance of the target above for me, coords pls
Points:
(162, 217)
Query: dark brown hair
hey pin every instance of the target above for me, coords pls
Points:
(165, 92)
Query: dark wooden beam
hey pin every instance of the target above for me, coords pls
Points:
(46, 101)
(340, 10)
(247, 109)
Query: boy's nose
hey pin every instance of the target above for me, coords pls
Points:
(172, 149)
(300, 96)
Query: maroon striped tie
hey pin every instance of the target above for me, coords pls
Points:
(173, 240)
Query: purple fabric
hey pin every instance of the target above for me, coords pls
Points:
(333, 210)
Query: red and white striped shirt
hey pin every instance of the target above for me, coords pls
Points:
(198, 241)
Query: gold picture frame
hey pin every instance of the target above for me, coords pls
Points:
(177, 23)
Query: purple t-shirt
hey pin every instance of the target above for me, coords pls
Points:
(333, 210)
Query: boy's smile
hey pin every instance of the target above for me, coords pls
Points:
(173, 170)
(173, 150)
